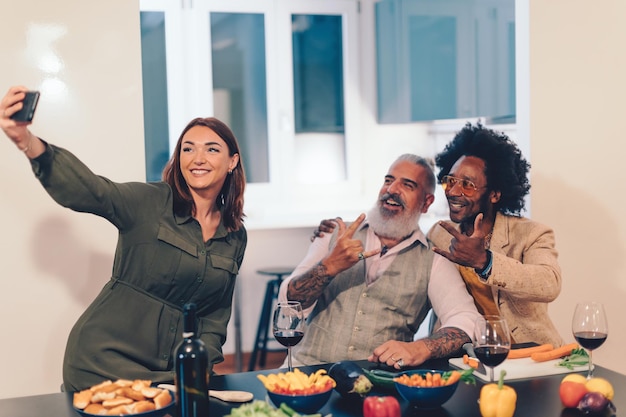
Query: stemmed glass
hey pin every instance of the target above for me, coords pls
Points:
(492, 341)
(288, 325)
(590, 328)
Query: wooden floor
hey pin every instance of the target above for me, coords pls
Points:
(273, 361)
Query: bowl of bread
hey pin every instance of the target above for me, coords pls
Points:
(124, 397)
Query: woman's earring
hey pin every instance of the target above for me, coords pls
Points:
(223, 200)
(230, 171)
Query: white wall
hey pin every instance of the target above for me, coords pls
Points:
(578, 85)
(54, 261)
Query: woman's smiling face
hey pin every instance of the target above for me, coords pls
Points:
(205, 160)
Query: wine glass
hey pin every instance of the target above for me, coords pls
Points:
(288, 325)
(590, 328)
(492, 341)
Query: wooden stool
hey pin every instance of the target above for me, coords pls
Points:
(265, 321)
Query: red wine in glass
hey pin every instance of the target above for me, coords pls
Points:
(491, 355)
(590, 328)
(492, 341)
(288, 337)
(590, 340)
(288, 326)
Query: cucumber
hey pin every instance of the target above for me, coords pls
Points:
(351, 381)
(381, 378)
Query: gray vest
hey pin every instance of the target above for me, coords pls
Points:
(351, 319)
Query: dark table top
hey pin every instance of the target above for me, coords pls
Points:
(536, 397)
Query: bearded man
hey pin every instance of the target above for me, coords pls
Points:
(367, 287)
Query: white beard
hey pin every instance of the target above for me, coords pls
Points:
(391, 225)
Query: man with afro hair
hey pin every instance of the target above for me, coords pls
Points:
(508, 262)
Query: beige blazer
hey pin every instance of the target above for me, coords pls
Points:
(525, 276)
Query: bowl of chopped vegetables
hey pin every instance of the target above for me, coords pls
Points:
(302, 403)
(427, 388)
(303, 393)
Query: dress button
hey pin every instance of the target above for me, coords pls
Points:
(351, 348)
(199, 278)
(357, 328)
(172, 329)
(360, 313)
(165, 357)
(364, 295)
(202, 252)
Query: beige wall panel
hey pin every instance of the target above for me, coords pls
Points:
(578, 85)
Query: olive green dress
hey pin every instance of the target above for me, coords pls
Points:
(161, 262)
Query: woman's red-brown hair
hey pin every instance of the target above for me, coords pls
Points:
(230, 200)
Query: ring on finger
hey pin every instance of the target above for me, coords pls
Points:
(361, 256)
(400, 363)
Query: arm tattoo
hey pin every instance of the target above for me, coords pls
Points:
(446, 341)
(309, 286)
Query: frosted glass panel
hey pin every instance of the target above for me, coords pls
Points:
(155, 112)
(318, 73)
(445, 59)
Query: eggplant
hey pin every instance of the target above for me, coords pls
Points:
(352, 383)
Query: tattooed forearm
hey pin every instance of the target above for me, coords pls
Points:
(446, 341)
(309, 286)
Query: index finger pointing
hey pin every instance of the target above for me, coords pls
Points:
(449, 227)
(355, 225)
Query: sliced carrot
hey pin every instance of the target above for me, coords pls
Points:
(472, 362)
(526, 352)
(454, 376)
(437, 380)
(557, 353)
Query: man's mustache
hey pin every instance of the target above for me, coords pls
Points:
(394, 197)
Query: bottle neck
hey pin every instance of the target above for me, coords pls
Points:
(189, 320)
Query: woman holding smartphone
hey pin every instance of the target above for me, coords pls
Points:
(180, 240)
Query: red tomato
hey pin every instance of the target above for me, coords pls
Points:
(571, 393)
(386, 406)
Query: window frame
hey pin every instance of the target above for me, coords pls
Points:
(281, 202)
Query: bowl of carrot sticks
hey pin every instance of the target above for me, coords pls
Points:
(427, 388)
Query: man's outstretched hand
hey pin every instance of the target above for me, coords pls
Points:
(465, 250)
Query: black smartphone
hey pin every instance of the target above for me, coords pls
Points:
(28, 109)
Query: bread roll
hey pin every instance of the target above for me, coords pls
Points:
(124, 382)
(130, 393)
(150, 392)
(143, 406)
(117, 401)
(82, 398)
(96, 408)
(101, 386)
(120, 410)
(100, 396)
(138, 384)
(163, 399)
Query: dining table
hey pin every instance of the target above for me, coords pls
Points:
(536, 397)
